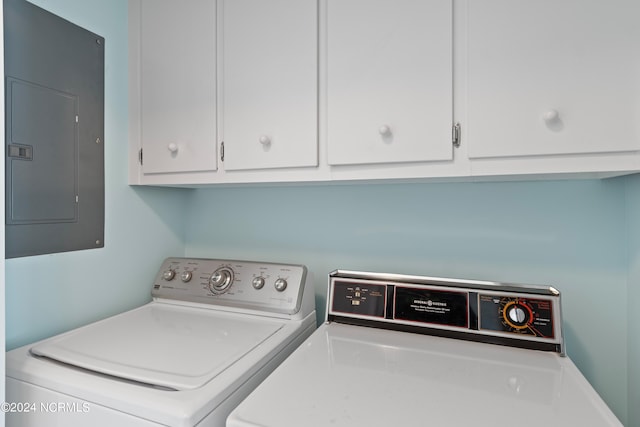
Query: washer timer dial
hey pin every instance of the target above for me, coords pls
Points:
(221, 280)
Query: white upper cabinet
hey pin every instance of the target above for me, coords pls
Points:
(389, 81)
(551, 77)
(269, 80)
(177, 85)
(251, 91)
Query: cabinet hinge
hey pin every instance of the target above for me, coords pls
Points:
(455, 135)
(140, 156)
(222, 151)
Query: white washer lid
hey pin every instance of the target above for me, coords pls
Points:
(161, 344)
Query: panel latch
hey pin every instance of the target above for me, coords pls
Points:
(22, 152)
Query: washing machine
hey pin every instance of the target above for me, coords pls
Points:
(401, 350)
(212, 332)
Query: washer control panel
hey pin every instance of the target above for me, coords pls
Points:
(509, 314)
(271, 287)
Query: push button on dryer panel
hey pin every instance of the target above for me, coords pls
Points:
(360, 299)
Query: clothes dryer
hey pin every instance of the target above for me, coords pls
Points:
(400, 350)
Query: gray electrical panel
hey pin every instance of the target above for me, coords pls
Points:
(54, 143)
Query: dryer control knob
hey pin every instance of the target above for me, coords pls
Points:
(280, 285)
(186, 276)
(169, 274)
(517, 315)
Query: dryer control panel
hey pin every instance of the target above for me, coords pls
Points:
(270, 287)
(508, 314)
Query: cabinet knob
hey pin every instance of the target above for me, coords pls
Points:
(551, 116)
(173, 147)
(265, 140)
(384, 130)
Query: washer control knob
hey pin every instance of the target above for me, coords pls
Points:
(280, 285)
(258, 282)
(221, 280)
(186, 276)
(168, 275)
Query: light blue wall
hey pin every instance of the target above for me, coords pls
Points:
(633, 221)
(53, 293)
(569, 234)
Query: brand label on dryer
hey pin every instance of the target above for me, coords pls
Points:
(423, 305)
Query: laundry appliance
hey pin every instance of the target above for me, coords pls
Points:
(400, 350)
(213, 331)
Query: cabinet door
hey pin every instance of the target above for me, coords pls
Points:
(553, 77)
(269, 83)
(178, 81)
(389, 75)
